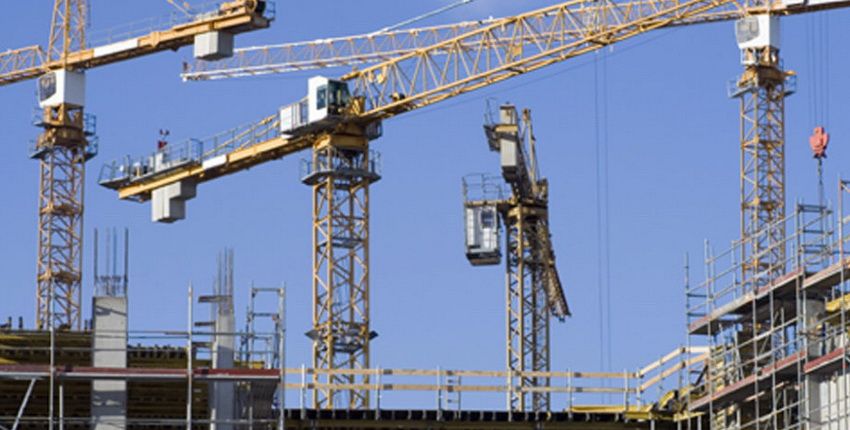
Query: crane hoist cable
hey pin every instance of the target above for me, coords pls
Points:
(818, 65)
(184, 8)
(600, 70)
(424, 16)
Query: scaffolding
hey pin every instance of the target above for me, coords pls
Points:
(777, 338)
(167, 386)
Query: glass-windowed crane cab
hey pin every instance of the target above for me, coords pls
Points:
(327, 99)
(62, 87)
(324, 106)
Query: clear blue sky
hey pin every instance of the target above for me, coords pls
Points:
(673, 145)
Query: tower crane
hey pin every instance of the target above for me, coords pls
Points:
(69, 140)
(339, 117)
(534, 288)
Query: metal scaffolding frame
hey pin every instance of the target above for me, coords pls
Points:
(775, 347)
(270, 354)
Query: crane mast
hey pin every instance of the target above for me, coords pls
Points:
(340, 172)
(533, 286)
(762, 89)
(62, 150)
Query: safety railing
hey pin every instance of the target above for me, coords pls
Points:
(811, 245)
(353, 164)
(160, 354)
(138, 28)
(484, 187)
(89, 123)
(734, 89)
(189, 152)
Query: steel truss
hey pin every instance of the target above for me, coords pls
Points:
(762, 90)
(62, 151)
(527, 309)
(340, 173)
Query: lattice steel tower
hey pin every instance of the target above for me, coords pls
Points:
(528, 317)
(340, 172)
(762, 89)
(62, 150)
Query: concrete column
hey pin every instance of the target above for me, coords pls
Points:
(109, 349)
(223, 399)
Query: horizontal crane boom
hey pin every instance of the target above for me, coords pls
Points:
(231, 17)
(371, 48)
(567, 30)
(470, 61)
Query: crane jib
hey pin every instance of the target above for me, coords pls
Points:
(471, 60)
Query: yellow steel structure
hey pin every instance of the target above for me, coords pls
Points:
(762, 89)
(64, 147)
(421, 77)
(533, 286)
(340, 174)
(325, 53)
(461, 64)
(236, 16)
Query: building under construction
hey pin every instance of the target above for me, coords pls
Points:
(767, 328)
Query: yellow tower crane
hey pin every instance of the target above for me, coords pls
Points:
(533, 287)
(338, 118)
(68, 140)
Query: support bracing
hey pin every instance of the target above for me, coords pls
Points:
(62, 150)
(528, 308)
(762, 90)
(340, 173)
